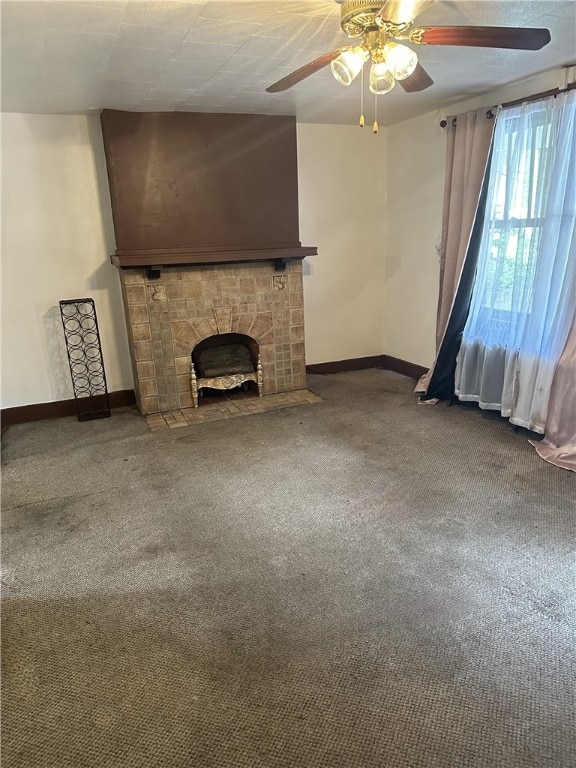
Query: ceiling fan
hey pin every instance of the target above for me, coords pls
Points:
(382, 28)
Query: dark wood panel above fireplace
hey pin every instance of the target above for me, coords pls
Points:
(194, 188)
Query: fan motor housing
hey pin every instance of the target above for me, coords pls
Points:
(359, 16)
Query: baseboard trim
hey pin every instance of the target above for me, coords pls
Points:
(389, 363)
(339, 366)
(411, 370)
(125, 397)
(40, 411)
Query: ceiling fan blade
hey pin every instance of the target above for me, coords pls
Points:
(308, 69)
(522, 38)
(402, 11)
(419, 80)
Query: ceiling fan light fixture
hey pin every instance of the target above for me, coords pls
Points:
(400, 60)
(381, 79)
(348, 65)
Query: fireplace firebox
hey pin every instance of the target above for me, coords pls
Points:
(225, 362)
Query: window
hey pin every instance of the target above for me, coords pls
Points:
(523, 171)
(524, 295)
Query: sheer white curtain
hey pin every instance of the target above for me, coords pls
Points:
(525, 290)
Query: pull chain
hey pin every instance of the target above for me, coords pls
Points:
(362, 98)
(375, 126)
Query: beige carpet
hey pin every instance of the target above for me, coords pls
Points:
(364, 583)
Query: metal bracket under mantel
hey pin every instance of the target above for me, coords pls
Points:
(153, 272)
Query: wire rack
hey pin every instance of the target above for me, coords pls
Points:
(85, 358)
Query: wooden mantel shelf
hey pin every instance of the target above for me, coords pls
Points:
(180, 257)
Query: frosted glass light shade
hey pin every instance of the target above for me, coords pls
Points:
(381, 79)
(348, 65)
(400, 60)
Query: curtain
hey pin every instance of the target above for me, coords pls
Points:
(441, 380)
(559, 444)
(525, 289)
(467, 146)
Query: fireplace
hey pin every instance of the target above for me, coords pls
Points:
(205, 212)
(170, 318)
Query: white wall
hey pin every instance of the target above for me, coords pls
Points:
(371, 203)
(416, 162)
(342, 191)
(56, 239)
(57, 236)
(414, 214)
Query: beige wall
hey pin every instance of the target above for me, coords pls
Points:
(415, 185)
(57, 236)
(416, 161)
(342, 190)
(56, 239)
(372, 205)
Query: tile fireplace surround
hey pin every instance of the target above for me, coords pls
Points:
(168, 316)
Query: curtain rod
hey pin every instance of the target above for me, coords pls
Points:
(490, 113)
(542, 95)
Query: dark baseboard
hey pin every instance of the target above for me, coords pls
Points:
(125, 397)
(355, 364)
(55, 410)
(387, 362)
(412, 370)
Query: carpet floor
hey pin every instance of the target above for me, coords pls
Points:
(360, 583)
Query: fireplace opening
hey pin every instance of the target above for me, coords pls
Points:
(223, 362)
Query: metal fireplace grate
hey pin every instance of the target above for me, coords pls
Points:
(223, 367)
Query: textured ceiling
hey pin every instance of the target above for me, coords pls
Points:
(219, 56)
